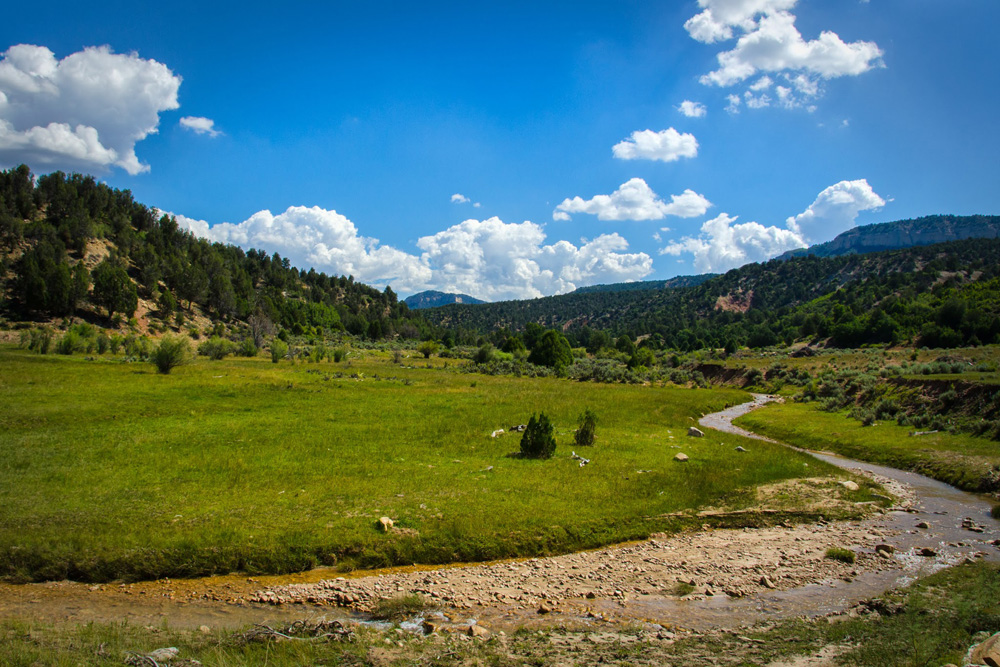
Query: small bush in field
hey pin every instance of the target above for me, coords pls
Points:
(588, 424)
(538, 441)
(170, 353)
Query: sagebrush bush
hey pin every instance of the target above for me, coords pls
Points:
(170, 353)
(216, 348)
(538, 441)
(279, 349)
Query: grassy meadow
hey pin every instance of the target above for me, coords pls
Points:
(962, 460)
(109, 470)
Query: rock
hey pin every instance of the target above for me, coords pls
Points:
(429, 628)
(680, 457)
(924, 525)
(591, 595)
(885, 549)
(927, 552)
(740, 449)
(766, 582)
(544, 608)
(987, 653)
(163, 654)
(205, 630)
(695, 433)
(849, 485)
(384, 524)
(477, 631)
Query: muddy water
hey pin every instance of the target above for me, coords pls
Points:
(219, 602)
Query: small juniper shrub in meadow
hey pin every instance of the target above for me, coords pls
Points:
(339, 354)
(538, 441)
(170, 353)
(584, 436)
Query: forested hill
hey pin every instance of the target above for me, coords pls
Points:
(905, 234)
(939, 295)
(72, 246)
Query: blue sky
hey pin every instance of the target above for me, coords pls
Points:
(519, 149)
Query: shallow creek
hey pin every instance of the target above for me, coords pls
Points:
(220, 602)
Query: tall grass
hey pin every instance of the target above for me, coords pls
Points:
(109, 470)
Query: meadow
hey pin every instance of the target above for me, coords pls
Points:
(109, 470)
(968, 462)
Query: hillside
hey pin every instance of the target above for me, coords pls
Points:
(905, 234)
(940, 295)
(70, 246)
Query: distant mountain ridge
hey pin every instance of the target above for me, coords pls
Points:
(670, 283)
(904, 234)
(432, 299)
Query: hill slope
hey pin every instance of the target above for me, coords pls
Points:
(941, 295)
(70, 246)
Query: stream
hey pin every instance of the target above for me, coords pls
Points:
(946, 513)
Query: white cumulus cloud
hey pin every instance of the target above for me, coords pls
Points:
(667, 146)
(200, 125)
(494, 260)
(488, 259)
(634, 200)
(459, 198)
(769, 42)
(86, 111)
(725, 244)
(837, 207)
(692, 109)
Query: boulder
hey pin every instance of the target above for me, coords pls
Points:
(695, 432)
(927, 552)
(477, 631)
(766, 582)
(886, 549)
(740, 449)
(385, 524)
(924, 525)
(163, 654)
(987, 653)
(429, 628)
(849, 485)
(680, 456)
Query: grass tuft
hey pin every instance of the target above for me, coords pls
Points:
(399, 608)
(841, 554)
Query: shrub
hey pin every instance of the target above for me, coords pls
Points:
(339, 354)
(103, 343)
(585, 434)
(115, 343)
(70, 343)
(278, 350)
(995, 512)
(841, 554)
(216, 348)
(318, 353)
(170, 353)
(41, 340)
(538, 441)
(485, 354)
(427, 348)
(247, 348)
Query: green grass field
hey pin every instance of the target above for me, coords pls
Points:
(109, 470)
(964, 461)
